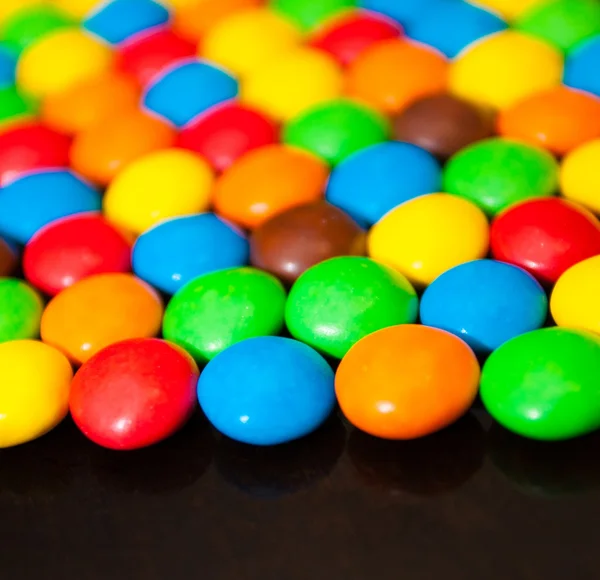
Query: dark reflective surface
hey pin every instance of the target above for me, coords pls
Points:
(473, 501)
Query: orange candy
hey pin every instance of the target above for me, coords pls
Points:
(98, 311)
(557, 119)
(407, 381)
(267, 181)
(391, 74)
(90, 102)
(102, 150)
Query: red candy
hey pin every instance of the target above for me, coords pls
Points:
(74, 248)
(146, 54)
(29, 147)
(545, 236)
(134, 393)
(226, 132)
(346, 36)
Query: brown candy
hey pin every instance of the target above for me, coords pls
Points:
(8, 260)
(442, 125)
(293, 241)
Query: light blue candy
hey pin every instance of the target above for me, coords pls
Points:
(374, 180)
(485, 303)
(582, 66)
(8, 65)
(118, 20)
(178, 250)
(36, 199)
(187, 90)
(403, 11)
(267, 390)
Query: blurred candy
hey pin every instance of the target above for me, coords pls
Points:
(581, 66)
(176, 251)
(404, 11)
(8, 258)
(8, 65)
(99, 311)
(579, 176)
(308, 14)
(73, 248)
(78, 9)
(15, 107)
(509, 9)
(426, 236)
(20, 310)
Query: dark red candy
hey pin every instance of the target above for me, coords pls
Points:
(73, 248)
(134, 393)
(226, 132)
(545, 236)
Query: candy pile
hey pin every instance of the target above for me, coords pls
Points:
(397, 190)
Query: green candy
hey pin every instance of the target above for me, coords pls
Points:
(339, 301)
(20, 310)
(13, 104)
(336, 129)
(308, 14)
(563, 23)
(216, 310)
(545, 384)
(497, 173)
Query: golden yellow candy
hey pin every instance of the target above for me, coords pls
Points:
(61, 60)
(78, 9)
(34, 390)
(579, 175)
(291, 83)
(508, 9)
(158, 186)
(246, 40)
(424, 237)
(504, 68)
(574, 301)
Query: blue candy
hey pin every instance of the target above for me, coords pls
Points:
(403, 11)
(267, 390)
(178, 250)
(36, 199)
(373, 181)
(485, 303)
(187, 90)
(8, 64)
(582, 66)
(118, 20)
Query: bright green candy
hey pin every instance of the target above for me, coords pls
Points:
(497, 173)
(545, 384)
(339, 301)
(20, 310)
(336, 129)
(13, 105)
(216, 310)
(310, 13)
(562, 23)
(28, 25)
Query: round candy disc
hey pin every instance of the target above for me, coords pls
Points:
(307, 13)
(579, 178)
(581, 66)
(20, 310)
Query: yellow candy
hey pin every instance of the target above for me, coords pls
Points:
(78, 9)
(158, 186)
(244, 41)
(574, 301)
(424, 237)
(61, 60)
(508, 9)
(9, 8)
(504, 68)
(34, 390)
(579, 175)
(293, 82)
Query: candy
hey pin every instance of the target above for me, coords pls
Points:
(504, 68)
(10, 8)
(308, 14)
(336, 129)
(217, 310)
(225, 132)
(15, 108)
(374, 180)
(267, 181)
(134, 394)
(579, 178)
(424, 237)
(391, 74)
(76, 8)
(484, 302)
(8, 65)
(581, 66)
(73, 248)
(36, 199)
(337, 302)
(406, 381)
(20, 310)
(248, 406)
(497, 173)
(189, 88)
(509, 9)
(99, 311)
(293, 241)
(34, 390)
(163, 255)
(544, 384)
(545, 237)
